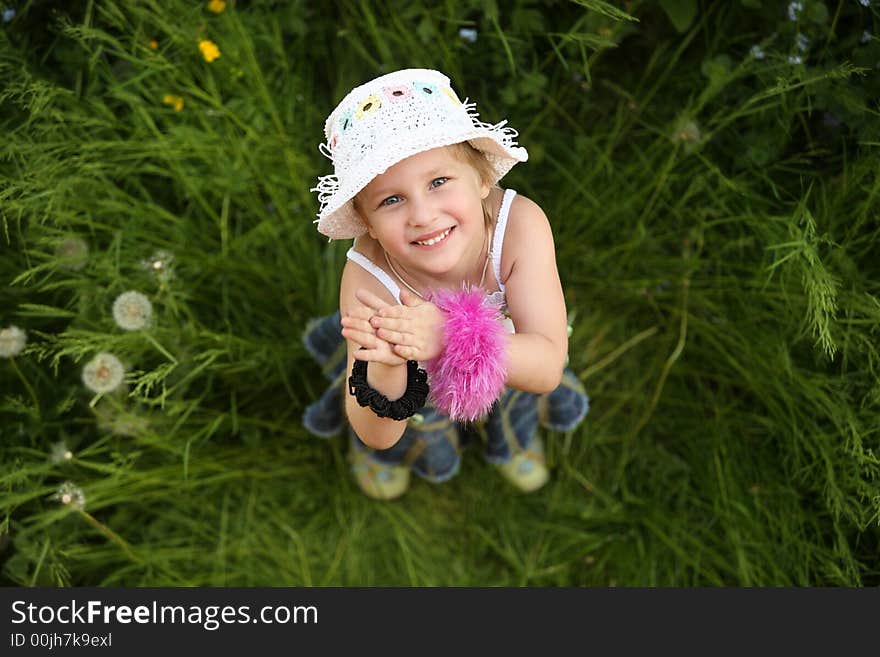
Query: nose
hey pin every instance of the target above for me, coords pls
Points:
(421, 211)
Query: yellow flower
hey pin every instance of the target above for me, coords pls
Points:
(175, 101)
(216, 6)
(209, 49)
(153, 44)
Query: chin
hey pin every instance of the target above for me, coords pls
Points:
(436, 261)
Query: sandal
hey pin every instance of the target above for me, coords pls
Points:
(527, 469)
(377, 481)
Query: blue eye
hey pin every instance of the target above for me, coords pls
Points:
(385, 202)
(444, 179)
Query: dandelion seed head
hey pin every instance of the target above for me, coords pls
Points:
(60, 453)
(12, 341)
(757, 52)
(8, 14)
(120, 422)
(72, 253)
(129, 426)
(69, 494)
(802, 42)
(795, 59)
(865, 3)
(794, 10)
(159, 265)
(132, 311)
(104, 373)
(468, 34)
(688, 132)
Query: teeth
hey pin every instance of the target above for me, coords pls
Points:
(434, 240)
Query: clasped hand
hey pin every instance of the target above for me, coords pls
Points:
(394, 334)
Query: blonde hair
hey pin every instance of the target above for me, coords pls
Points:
(477, 159)
(466, 153)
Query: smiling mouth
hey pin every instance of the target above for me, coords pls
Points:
(436, 240)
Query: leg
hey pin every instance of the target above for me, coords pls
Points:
(438, 445)
(512, 442)
(380, 474)
(564, 408)
(430, 446)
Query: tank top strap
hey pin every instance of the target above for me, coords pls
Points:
(371, 267)
(498, 238)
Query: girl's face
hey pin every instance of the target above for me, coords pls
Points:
(426, 212)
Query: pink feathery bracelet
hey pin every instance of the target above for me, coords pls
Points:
(469, 375)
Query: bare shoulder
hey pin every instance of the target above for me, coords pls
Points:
(355, 277)
(527, 234)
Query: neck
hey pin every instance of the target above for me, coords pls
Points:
(473, 272)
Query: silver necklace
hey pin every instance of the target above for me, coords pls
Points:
(416, 292)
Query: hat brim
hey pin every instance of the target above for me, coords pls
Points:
(339, 220)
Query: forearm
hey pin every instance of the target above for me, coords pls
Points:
(374, 431)
(534, 363)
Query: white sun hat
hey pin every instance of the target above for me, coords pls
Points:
(386, 120)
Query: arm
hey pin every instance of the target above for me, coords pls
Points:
(387, 377)
(536, 352)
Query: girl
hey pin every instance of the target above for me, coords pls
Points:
(448, 272)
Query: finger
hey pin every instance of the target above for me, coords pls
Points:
(362, 312)
(403, 325)
(369, 299)
(406, 351)
(358, 324)
(369, 355)
(393, 311)
(362, 338)
(395, 337)
(378, 356)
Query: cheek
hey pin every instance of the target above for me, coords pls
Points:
(388, 233)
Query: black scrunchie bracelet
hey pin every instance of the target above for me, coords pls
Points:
(399, 409)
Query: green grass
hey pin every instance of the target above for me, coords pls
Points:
(715, 219)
